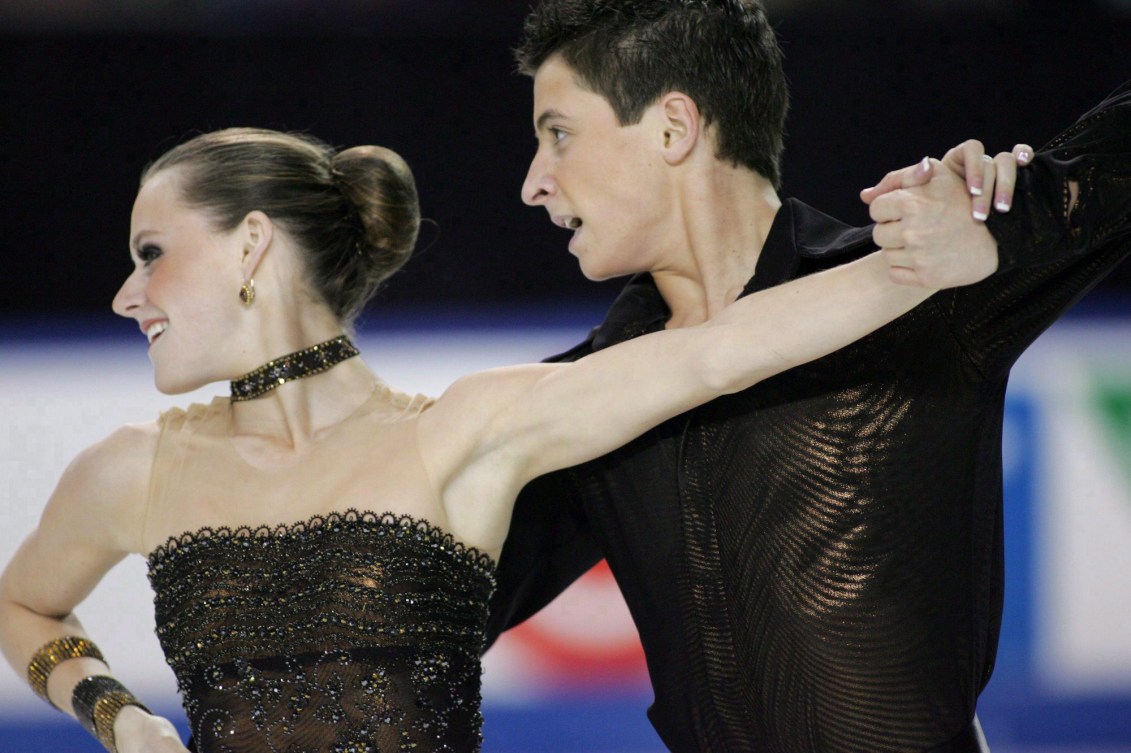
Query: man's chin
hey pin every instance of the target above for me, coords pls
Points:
(595, 272)
(604, 274)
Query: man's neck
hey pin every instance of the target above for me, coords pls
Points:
(724, 228)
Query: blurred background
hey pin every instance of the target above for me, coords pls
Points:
(92, 91)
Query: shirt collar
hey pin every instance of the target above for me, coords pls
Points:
(798, 233)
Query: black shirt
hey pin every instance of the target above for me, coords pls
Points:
(815, 563)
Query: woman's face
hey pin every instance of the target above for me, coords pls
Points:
(184, 289)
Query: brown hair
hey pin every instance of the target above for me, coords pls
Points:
(355, 213)
(722, 53)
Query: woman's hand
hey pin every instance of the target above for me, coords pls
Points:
(137, 731)
(930, 216)
(927, 235)
(989, 180)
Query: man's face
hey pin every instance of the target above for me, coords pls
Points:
(602, 180)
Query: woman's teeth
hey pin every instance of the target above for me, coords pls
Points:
(154, 330)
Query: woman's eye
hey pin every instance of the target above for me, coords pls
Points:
(148, 254)
(557, 134)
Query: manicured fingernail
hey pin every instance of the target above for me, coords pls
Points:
(1002, 204)
(1024, 156)
(975, 190)
(925, 165)
(980, 214)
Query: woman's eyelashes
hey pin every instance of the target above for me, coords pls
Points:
(148, 254)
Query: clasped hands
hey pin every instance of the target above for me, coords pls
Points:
(930, 217)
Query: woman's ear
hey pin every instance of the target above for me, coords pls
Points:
(257, 230)
(681, 126)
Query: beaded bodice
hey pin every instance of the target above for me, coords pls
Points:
(350, 632)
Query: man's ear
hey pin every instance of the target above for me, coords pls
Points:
(681, 126)
(257, 230)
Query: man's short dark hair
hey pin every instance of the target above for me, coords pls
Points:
(721, 53)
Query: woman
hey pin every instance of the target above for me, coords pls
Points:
(321, 545)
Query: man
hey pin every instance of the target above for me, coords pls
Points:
(814, 564)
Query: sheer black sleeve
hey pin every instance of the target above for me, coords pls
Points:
(1051, 252)
(1095, 153)
(550, 545)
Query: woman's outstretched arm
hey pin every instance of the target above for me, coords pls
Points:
(569, 413)
(521, 422)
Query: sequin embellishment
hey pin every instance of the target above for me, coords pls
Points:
(303, 363)
(349, 632)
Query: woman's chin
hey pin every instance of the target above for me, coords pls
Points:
(168, 386)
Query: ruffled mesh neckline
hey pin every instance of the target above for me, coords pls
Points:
(328, 522)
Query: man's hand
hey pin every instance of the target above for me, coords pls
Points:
(927, 233)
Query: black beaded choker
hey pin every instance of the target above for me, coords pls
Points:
(304, 363)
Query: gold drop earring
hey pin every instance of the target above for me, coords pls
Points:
(247, 292)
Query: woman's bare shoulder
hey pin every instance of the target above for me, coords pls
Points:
(104, 489)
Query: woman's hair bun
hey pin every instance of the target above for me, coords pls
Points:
(354, 214)
(379, 184)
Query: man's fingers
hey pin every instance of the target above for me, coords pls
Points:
(901, 270)
(885, 208)
(915, 175)
(888, 236)
(897, 257)
(904, 276)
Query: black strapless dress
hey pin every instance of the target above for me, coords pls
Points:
(347, 633)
